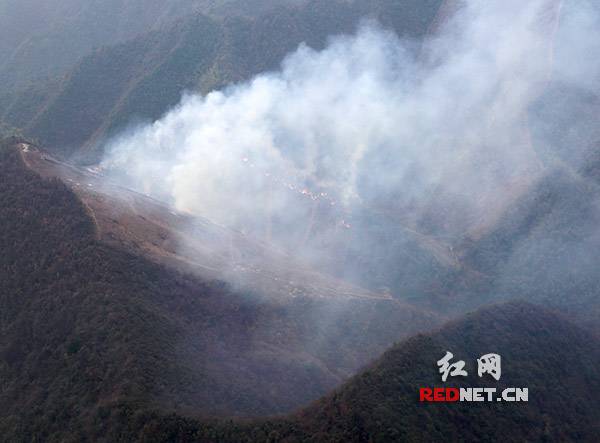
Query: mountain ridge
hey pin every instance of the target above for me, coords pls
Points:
(114, 328)
(141, 78)
(41, 41)
(541, 350)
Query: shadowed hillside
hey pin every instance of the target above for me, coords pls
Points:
(540, 350)
(89, 330)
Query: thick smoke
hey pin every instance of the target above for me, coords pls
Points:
(370, 122)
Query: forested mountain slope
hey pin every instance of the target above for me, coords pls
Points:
(89, 330)
(140, 79)
(39, 39)
(540, 350)
(124, 314)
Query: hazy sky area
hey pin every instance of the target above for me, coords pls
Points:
(368, 120)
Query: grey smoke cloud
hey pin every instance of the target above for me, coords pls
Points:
(364, 120)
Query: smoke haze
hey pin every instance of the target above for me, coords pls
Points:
(372, 121)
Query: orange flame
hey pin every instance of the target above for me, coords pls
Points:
(303, 191)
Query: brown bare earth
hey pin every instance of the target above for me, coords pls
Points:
(145, 226)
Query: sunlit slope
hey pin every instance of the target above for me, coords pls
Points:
(181, 240)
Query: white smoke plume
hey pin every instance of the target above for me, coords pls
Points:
(368, 119)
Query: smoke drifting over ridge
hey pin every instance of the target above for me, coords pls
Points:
(368, 121)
